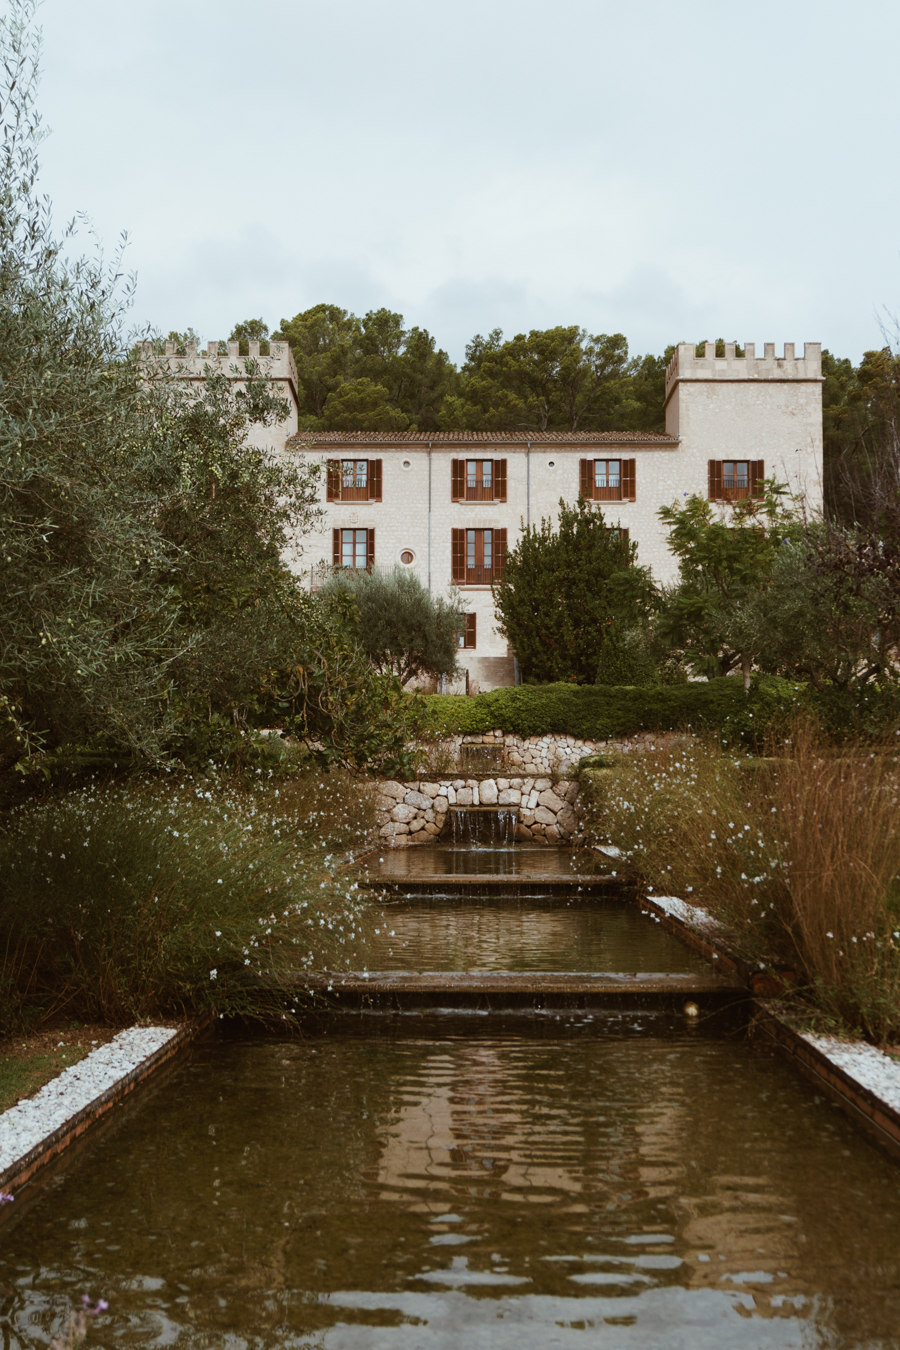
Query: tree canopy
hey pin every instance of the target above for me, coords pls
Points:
(723, 558)
(146, 604)
(563, 587)
(404, 630)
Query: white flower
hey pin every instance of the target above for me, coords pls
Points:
(219, 882)
(831, 935)
(218, 932)
(213, 974)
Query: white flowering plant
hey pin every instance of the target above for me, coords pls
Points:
(796, 852)
(165, 897)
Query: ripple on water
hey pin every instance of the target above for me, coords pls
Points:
(492, 1190)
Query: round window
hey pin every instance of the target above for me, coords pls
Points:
(407, 464)
(407, 556)
(551, 463)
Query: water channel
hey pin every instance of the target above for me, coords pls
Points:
(410, 1180)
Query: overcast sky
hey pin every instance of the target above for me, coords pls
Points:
(667, 170)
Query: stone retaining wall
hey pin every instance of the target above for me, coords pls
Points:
(557, 754)
(416, 813)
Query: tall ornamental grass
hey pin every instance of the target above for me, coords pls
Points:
(160, 899)
(798, 854)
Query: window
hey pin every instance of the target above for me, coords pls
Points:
(407, 557)
(478, 480)
(478, 556)
(608, 480)
(732, 480)
(354, 480)
(353, 548)
(465, 637)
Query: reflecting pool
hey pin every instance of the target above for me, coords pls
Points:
(614, 1181)
(483, 932)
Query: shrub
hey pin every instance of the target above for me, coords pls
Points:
(159, 899)
(603, 712)
(594, 712)
(798, 854)
(563, 586)
(403, 629)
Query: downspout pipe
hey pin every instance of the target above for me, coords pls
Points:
(528, 483)
(429, 517)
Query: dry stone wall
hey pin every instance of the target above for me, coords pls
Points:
(555, 754)
(416, 813)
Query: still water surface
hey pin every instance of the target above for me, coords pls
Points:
(514, 860)
(485, 933)
(615, 1182)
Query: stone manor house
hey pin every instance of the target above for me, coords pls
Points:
(448, 505)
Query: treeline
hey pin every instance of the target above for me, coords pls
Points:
(374, 374)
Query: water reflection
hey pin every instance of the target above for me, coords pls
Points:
(523, 860)
(493, 1190)
(482, 933)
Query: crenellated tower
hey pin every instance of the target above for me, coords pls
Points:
(759, 409)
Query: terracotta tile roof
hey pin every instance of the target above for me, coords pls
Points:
(482, 438)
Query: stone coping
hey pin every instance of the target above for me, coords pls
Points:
(859, 1078)
(38, 1129)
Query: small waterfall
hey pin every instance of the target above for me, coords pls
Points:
(482, 826)
(480, 757)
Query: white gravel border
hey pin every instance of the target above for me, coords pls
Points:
(27, 1124)
(866, 1065)
(691, 915)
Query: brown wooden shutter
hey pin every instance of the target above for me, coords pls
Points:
(586, 488)
(333, 475)
(336, 548)
(499, 481)
(629, 480)
(757, 474)
(458, 480)
(370, 550)
(471, 620)
(499, 552)
(716, 491)
(458, 556)
(374, 477)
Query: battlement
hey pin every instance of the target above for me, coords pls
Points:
(687, 365)
(225, 358)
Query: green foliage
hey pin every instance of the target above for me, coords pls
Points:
(554, 378)
(362, 405)
(830, 611)
(404, 630)
(561, 589)
(367, 374)
(147, 610)
(861, 424)
(626, 658)
(798, 855)
(594, 712)
(87, 626)
(160, 899)
(251, 330)
(724, 556)
(558, 378)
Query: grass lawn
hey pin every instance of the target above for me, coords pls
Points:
(28, 1062)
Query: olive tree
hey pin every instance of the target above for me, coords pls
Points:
(403, 629)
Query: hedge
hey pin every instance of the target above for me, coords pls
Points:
(598, 713)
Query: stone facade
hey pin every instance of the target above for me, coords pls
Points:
(223, 359)
(755, 408)
(751, 408)
(417, 813)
